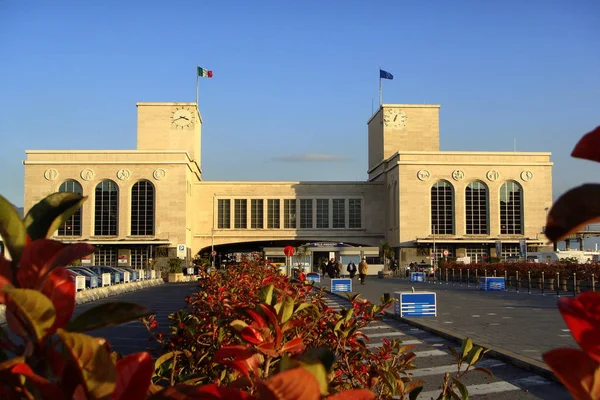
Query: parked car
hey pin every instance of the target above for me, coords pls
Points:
(115, 275)
(91, 279)
(134, 275)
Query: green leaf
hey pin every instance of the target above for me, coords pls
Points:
(474, 355)
(93, 361)
(390, 381)
(461, 388)
(287, 309)
(107, 314)
(349, 314)
(318, 371)
(48, 215)
(467, 345)
(238, 325)
(12, 229)
(303, 306)
(322, 354)
(164, 358)
(266, 294)
(34, 314)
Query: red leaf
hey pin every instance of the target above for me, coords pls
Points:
(573, 210)
(48, 389)
(588, 145)
(60, 289)
(134, 374)
(578, 372)
(582, 315)
(36, 261)
(272, 316)
(285, 386)
(71, 253)
(251, 335)
(205, 392)
(353, 394)
(237, 351)
(257, 318)
(294, 346)
(268, 349)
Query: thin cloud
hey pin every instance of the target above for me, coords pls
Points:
(311, 157)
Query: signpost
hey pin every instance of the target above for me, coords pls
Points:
(343, 285)
(314, 277)
(491, 283)
(415, 304)
(417, 276)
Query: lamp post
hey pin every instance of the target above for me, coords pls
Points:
(434, 253)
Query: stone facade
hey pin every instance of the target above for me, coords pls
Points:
(393, 205)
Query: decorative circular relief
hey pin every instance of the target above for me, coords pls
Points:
(159, 174)
(87, 174)
(458, 174)
(51, 174)
(527, 175)
(423, 175)
(123, 174)
(493, 175)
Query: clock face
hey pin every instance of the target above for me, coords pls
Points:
(182, 118)
(394, 118)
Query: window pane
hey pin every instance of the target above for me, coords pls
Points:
(306, 217)
(105, 256)
(323, 213)
(240, 213)
(442, 208)
(339, 213)
(106, 210)
(476, 200)
(257, 214)
(355, 213)
(142, 208)
(273, 213)
(139, 258)
(224, 214)
(72, 226)
(511, 211)
(289, 212)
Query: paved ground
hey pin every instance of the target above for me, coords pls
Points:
(434, 360)
(517, 324)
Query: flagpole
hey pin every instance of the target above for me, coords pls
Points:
(380, 95)
(197, 79)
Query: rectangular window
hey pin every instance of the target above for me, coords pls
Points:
(240, 213)
(289, 213)
(306, 216)
(355, 213)
(105, 256)
(139, 258)
(224, 214)
(323, 213)
(256, 214)
(339, 213)
(273, 213)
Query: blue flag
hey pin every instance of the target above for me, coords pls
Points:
(385, 75)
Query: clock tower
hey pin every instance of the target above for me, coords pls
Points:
(170, 126)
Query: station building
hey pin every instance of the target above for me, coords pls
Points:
(152, 203)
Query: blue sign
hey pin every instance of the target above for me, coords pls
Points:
(491, 283)
(341, 285)
(314, 277)
(415, 304)
(417, 276)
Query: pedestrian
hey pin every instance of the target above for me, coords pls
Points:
(331, 268)
(324, 268)
(363, 268)
(338, 268)
(394, 267)
(351, 268)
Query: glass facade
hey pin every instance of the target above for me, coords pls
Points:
(306, 213)
(224, 214)
(339, 213)
(106, 209)
(72, 226)
(257, 213)
(273, 208)
(511, 209)
(442, 208)
(142, 209)
(240, 213)
(322, 213)
(476, 208)
(289, 213)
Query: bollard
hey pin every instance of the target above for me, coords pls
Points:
(517, 282)
(505, 280)
(446, 276)
(543, 285)
(453, 276)
(574, 284)
(468, 277)
(476, 279)
(557, 284)
(460, 276)
(494, 273)
(593, 283)
(485, 273)
(528, 282)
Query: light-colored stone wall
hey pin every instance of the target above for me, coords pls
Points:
(206, 195)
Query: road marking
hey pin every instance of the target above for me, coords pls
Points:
(475, 316)
(477, 390)
(375, 327)
(379, 344)
(494, 323)
(430, 353)
(564, 335)
(448, 322)
(506, 317)
(385, 334)
(566, 330)
(442, 369)
(491, 313)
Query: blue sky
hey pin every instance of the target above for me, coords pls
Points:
(294, 82)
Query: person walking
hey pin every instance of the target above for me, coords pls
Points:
(331, 268)
(351, 268)
(363, 268)
(338, 268)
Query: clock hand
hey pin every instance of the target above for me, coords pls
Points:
(184, 118)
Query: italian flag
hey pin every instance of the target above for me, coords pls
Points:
(204, 73)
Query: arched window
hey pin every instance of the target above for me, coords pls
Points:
(142, 209)
(511, 209)
(72, 226)
(442, 208)
(476, 208)
(106, 209)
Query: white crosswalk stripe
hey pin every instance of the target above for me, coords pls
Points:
(385, 334)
